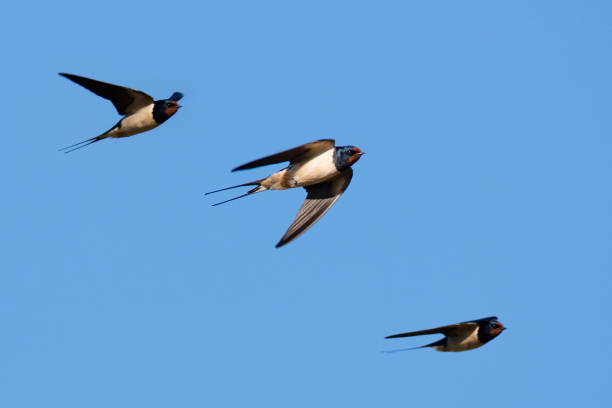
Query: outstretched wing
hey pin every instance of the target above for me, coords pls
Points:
(319, 200)
(126, 100)
(451, 330)
(303, 152)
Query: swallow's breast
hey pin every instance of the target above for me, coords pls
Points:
(138, 122)
(313, 171)
(464, 342)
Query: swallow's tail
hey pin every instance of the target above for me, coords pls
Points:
(405, 349)
(87, 142)
(84, 143)
(258, 188)
(440, 342)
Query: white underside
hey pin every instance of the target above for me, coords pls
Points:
(316, 170)
(462, 343)
(138, 122)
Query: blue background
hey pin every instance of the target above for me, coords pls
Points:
(485, 191)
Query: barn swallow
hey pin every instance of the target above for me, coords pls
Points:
(140, 112)
(461, 336)
(322, 168)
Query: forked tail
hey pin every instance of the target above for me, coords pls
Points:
(258, 188)
(404, 349)
(87, 142)
(80, 144)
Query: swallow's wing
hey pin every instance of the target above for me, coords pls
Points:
(319, 199)
(483, 320)
(303, 152)
(126, 100)
(450, 330)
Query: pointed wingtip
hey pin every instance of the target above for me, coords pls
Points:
(283, 241)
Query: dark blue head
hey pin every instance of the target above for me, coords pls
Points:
(346, 156)
(165, 108)
(489, 328)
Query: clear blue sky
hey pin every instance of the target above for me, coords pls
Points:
(485, 191)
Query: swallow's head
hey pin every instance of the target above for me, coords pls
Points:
(346, 156)
(494, 328)
(165, 108)
(171, 107)
(489, 328)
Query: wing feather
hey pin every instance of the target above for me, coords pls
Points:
(318, 201)
(303, 152)
(125, 100)
(450, 330)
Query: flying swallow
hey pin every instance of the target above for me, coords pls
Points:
(461, 336)
(322, 168)
(140, 112)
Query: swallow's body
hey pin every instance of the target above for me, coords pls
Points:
(318, 169)
(323, 169)
(461, 336)
(141, 112)
(461, 342)
(138, 122)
